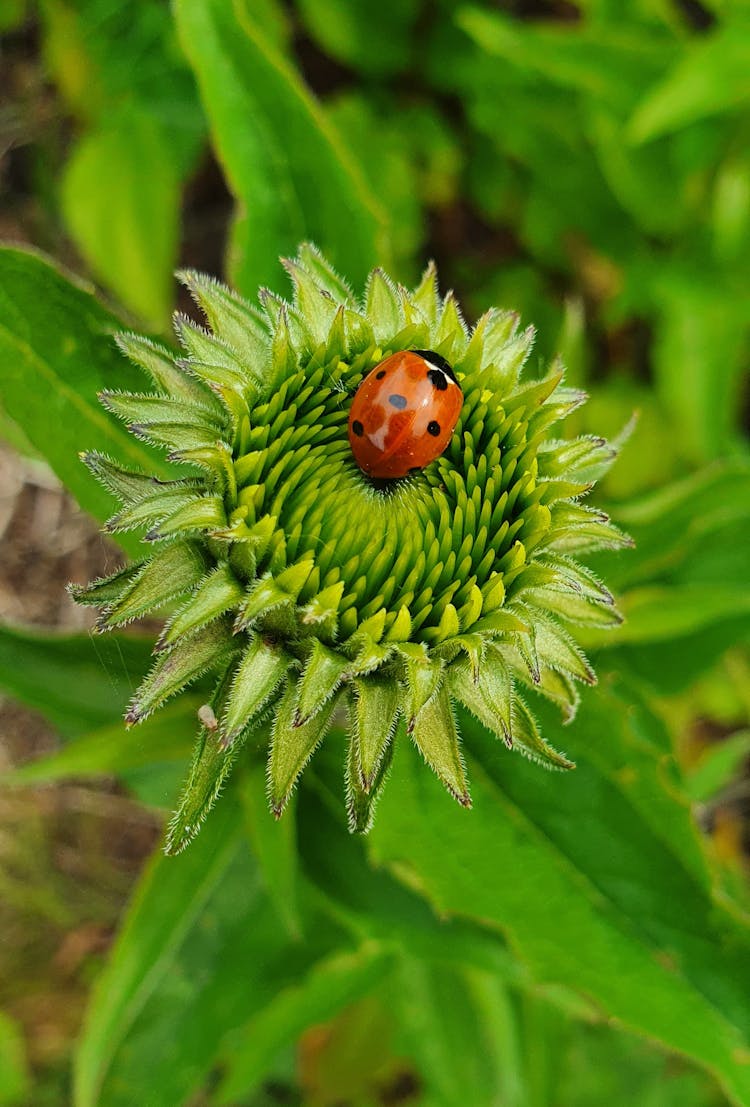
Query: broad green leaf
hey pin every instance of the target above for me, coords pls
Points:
(14, 1075)
(712, 76)
(597, 877)
(121, 204)
(330, 985)
(199, 952)
(591, 1065)
(260, 111)
(78, 681)
(368, 900)
(57, 354)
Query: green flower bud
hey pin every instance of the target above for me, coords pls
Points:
(303, 586)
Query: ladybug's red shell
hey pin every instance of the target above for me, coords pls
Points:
(404, 413)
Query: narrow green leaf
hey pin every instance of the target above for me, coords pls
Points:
(106, 590)
(200, 952)
(361, 801)
(330, 985)
(525, 736)
(259, 109)
(164, 372)
(15, 1084)
(718, 766)
(711, 76)
(115, 749)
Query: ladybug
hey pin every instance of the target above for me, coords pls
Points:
(403, 414)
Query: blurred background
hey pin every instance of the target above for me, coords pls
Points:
(582, 161)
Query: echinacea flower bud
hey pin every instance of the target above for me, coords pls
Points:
(303, 585)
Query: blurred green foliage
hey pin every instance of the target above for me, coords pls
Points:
(583, 162)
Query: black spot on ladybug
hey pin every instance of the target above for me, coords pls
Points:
(438, 362)
(438, 378)
(358, 429)
(397, 401)
(379, 376)
(433, 428)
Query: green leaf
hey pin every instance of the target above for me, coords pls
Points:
(76, 681)
(114, 750)
(58, 353)
(719, 764)
(367, 899)
(121, 203)
(684, 586)
(14, 1075)
(596, 877)
(330, 985)
(372, 40)
(659, 613)
(688, 531)
(274, 842)
(459, 1026)
(603, 63)
(199, 952)
(700, 360)
(712, 76)
(260, 110)
(104, 56)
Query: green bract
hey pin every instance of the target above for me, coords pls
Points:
(303, 586)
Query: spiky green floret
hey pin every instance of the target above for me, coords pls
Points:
(300, 584)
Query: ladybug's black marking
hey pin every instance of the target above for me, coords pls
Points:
(379, 376)
(438, 378)
(433, 428)
(358, 429)
(438, 362)
(397, 401)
